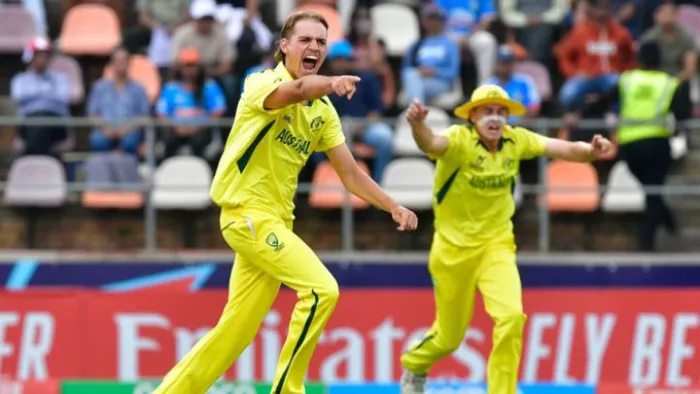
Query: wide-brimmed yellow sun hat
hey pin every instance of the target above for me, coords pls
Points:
(490, 95)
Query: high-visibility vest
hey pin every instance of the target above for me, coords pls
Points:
(645, 100)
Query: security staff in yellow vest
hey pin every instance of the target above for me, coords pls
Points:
(647, 95)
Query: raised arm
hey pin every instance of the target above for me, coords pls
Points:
(432, 144)
(310, 87)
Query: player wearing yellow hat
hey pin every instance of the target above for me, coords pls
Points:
(473, 245)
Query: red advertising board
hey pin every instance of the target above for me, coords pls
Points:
(640, 337)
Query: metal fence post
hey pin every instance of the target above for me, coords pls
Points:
(543, 209)
(347, 222)
(149, 210)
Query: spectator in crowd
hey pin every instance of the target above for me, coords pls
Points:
(431, 65)
(535, 23)
(678, 53)
(370, 53)
(268, 62)
(190, 99)
(246, 31)
(468, 23)
(117, 101)
(211, 41)
(593, 55)
(366, 104)
(519, 87)
(158, 20)
(636, 15)
(39, 92)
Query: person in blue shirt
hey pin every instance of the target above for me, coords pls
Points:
(520, 87)
(467, 23)
(366, 107)
(190, 99)
(431, 65)
(117, 101)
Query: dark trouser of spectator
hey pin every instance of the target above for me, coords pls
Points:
(136, 38)
(229, 84)
(538, 41)
(129, 143)
(198, 142)
(38, 140)
(575, 89)
(649, 160)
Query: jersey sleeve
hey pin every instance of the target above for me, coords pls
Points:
(257, 87)
(332, 131)
(454, 136)
(530, 144)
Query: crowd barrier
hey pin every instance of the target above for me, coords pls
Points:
(541, 125)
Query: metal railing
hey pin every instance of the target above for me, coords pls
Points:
(150, 126)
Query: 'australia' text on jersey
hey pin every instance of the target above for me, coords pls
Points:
(490, 181)
(298, 144)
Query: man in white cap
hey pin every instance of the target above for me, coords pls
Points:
(39, 92)
(473, 246)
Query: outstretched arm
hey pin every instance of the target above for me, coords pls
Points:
(360, 184)
(310, 87)
(577, 151)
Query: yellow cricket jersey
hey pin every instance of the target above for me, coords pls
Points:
(473, 195)
(267, 149)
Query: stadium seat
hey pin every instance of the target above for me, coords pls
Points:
(409, 181)
(346, 8)
(624, 193)
(397, 25)
(689, 17)
(111, 169)
(144, 72)
(404, 144)
(71, 69)
(36, 181)
(335, 25)
(563, 174)
(451, 99)
(539, 74)
(283, 10)
(182, 182)
(327, 190)
(17, 28)
(89, 29)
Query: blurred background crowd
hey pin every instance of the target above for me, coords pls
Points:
(118, 61)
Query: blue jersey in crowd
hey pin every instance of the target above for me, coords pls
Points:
(178, 102)
(440, 53)
(462, 15)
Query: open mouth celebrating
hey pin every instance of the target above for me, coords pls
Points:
(309, 63)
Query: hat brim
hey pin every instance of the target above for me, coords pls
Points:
(514, 107)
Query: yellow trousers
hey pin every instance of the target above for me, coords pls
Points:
(457, 273)
(268, 254)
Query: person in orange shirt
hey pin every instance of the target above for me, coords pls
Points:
(593, 56)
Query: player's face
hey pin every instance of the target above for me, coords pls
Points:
(490, 121)
(306, 48)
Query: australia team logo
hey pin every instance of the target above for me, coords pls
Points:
(274, 242)
(316, 124)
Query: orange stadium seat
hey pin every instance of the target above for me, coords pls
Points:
(90, 29)
(562, 174)
(326, 177)
(144, 72)
(125, 200)
(335, 24)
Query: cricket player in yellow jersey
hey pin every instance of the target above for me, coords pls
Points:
(473, 246)
(282, 118)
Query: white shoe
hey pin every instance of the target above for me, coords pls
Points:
(412, 383)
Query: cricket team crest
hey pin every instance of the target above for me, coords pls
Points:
(274, 242)
(316, 124)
